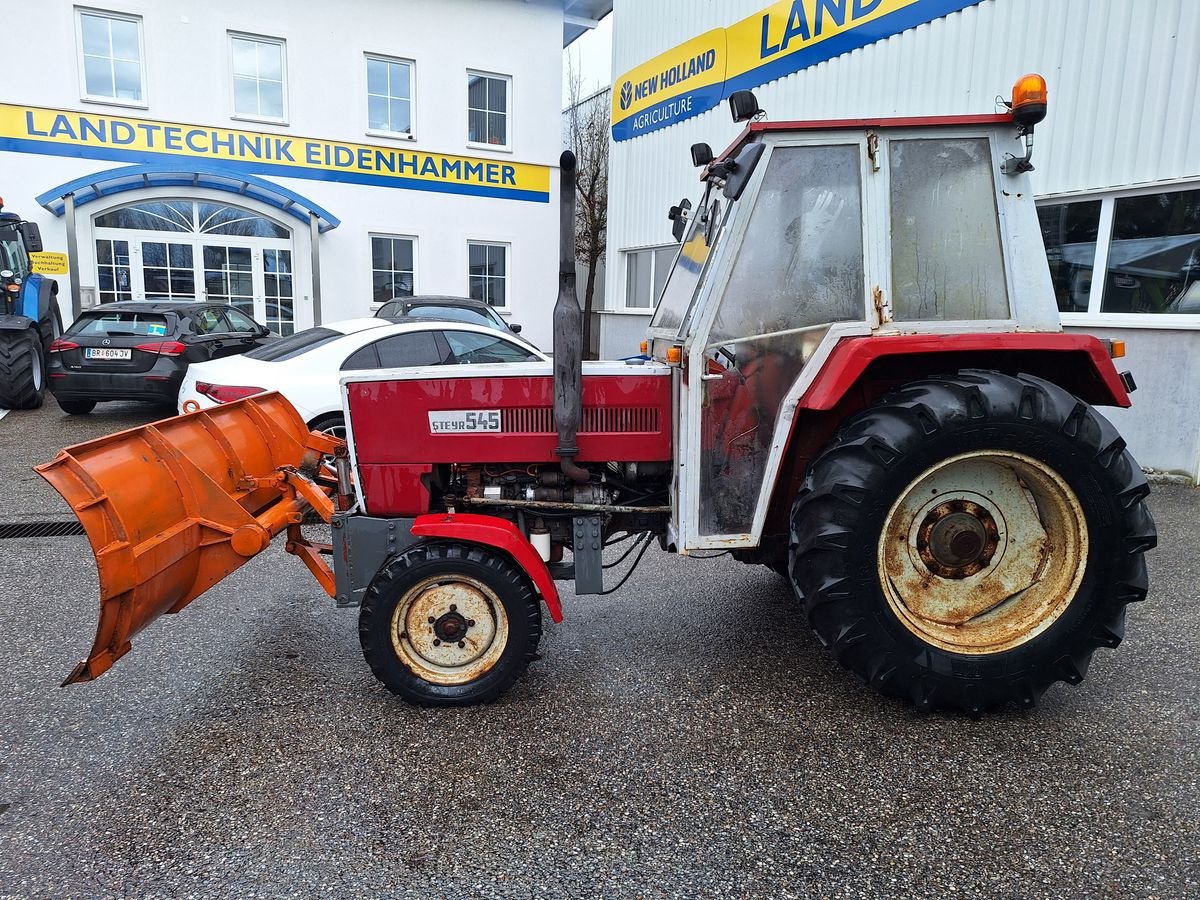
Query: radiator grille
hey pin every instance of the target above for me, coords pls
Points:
(596, 420)
(528, 420)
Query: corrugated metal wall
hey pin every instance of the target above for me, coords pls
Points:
(1124, 80)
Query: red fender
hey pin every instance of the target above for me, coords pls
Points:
(502, 534)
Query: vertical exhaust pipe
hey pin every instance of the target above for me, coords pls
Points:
(568, 330)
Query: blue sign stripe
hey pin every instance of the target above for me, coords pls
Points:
(668, 112)
(47, 148)
(694, 103)
(920, 13)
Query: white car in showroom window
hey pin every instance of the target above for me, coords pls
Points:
(306, 367)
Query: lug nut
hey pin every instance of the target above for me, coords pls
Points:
(432, 620)
(436, 642)
(462, 645)
(453, 607)
(470, 623)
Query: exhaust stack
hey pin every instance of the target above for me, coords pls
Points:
(568, 331)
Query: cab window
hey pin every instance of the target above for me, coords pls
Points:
(946, 258)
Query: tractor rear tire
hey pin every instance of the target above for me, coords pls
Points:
(22, 370)
(449, 624)
(970, 540)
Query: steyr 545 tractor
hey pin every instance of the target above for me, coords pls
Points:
(29, 317)
(855, 375)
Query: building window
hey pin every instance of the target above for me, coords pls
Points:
(646, 274)
(389, 95)
(1154, 255)
(487, 109)
(259, 90)
(112, 269)
(112, 57)
(488, 277)
(1127, 256)
(1069, 231)
(393, 269)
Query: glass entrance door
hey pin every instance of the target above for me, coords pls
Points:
(198, 250)
(168, 270)
(229, 277)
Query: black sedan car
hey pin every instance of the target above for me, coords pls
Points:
(139, 350)
(454, 309)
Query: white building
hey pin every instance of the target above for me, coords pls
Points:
(300, 159)
(1117, 161)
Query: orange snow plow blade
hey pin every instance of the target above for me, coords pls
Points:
(173, 507)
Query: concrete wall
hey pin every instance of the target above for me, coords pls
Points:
(1162, 427)
(187, 73)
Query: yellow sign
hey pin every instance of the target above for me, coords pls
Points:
(47, 263)
(31, 129)
(774, 42)
(693, 72)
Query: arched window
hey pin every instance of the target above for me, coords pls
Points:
(191, 217)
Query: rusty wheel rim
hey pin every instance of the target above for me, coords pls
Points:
(983, 552)
(449, 629)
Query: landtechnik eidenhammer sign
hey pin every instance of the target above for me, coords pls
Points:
(91, 135)
(786, 37)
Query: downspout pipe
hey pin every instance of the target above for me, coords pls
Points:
(568, 331)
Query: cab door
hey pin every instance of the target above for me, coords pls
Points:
(799, 267)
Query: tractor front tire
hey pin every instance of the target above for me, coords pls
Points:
(22, 370)
(449, 624)
(970, 540)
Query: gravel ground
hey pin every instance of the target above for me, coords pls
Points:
(685, 737)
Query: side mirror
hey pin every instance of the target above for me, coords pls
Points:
(702, 155)
(743, 106)
(32, 236)
(679, 217)
(515, 329)
(742, 169)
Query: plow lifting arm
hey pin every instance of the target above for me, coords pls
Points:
(173, 507)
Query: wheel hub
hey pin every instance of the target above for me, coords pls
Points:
(451, 627)
(957, 539)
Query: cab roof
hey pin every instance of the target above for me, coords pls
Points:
(788, 125)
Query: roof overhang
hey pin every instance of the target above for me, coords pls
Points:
(205, 176)
(581, 16)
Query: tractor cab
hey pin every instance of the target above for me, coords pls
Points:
(811, 233)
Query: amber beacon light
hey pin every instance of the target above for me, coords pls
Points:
(1028, 106)
(1029, 101)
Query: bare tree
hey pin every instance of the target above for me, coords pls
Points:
(586, 128)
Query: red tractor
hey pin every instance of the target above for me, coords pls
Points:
(855, 375)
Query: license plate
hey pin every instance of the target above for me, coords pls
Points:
(107, 353)
(464, 421)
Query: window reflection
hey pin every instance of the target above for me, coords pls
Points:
(1154, 256)
(1069, 232)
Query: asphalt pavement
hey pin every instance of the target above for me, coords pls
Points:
(684, 737)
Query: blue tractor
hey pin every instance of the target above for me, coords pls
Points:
(29, 316)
